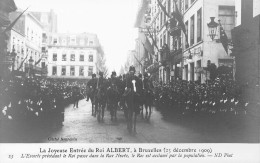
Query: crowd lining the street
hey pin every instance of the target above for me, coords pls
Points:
(41, 102)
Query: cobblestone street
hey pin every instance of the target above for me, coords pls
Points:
(81, 127)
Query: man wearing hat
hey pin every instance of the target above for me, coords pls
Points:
(92, 84)
(113, 95)
(101, 94)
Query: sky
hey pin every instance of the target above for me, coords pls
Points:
(112, 20)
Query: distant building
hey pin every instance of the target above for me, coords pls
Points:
(49, 21)
(73, 56)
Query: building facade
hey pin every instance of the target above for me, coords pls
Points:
(74, 56)
(6, 7)
(201, 49)
(246, 38)
(183, 56)
(26, 41)
(49, 21)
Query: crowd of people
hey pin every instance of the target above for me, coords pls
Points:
(41, 101)
(223, 97)
(35, 101)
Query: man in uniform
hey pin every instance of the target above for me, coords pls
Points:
(100, 100)
(113, 95)
(132, 93)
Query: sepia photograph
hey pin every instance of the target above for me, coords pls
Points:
(130, 72)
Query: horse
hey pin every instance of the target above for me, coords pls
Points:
(112, 101)
(132, 102)
(100, 104)
(148, 101)
(91, 96)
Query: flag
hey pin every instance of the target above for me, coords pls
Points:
(13, 23)
(149, 54)
(38, 61)
(163, 8)
(148, 46)
(21, 65)
(138, 61)
(223, 38)
(178, 16)
(151, 36)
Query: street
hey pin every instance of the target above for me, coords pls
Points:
(81, 127)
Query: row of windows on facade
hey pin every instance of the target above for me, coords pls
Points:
(72, 57)
(226, 16)
(72, 42)
(179, 3)
(72, 71)
(33, 36)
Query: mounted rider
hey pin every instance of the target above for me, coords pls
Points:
(133, 83)
(113, 95)
(100, 97)
(92, 84)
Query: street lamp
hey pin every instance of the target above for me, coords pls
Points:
(212, 25)
(30, 65)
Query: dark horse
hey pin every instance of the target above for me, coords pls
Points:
(132, 101)
(92, 99)
(100, 104)
(148, 101)
(112, 101)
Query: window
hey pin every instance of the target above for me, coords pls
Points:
(227, 19)
(64, 57)
(81, 71)
(91, 42)
(90, 71)
(186, 4)
(187, 31)
(90, 58)
(161, 19)
(54, 57)
(192, 30)
(63, 70)
(43, 64)
(81, 57)
(54, 70)
(72, 57)
(164, 15)
(72, 71)
(55, 40)
(199, 25)
(73, 40)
